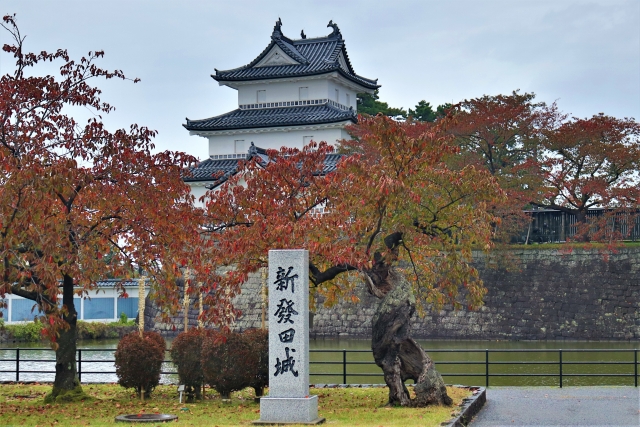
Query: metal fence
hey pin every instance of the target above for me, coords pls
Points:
(553, 226)
(484, 364)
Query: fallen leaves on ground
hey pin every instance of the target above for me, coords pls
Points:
(341, 406)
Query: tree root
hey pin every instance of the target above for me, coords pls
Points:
(62, 395)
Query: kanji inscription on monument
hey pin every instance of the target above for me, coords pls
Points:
(288, 400)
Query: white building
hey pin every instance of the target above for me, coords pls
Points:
(294, 92)
(104, 304)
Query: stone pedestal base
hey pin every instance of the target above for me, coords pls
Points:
(289, 410)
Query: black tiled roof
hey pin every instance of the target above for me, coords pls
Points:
(218, 171)
(273, 117)
(212, 170)
(316, 56)
(330, 163)
(110, 283)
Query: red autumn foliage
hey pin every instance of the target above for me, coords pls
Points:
(186, 355)
(259, 341)
(502, 133)
(396, 179)
(228, 362)
(395, 215)
(138, 361)
(73, 192)
(593, 163)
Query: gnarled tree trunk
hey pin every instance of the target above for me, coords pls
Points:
(399, 356)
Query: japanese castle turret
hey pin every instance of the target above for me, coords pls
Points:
(296, 91)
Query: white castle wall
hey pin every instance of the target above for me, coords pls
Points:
(264, 138)
(290, 91)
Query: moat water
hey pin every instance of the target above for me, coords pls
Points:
(460, 362)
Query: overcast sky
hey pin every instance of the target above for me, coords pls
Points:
(584, 54)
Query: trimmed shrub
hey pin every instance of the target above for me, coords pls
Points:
(259, 340)
(139, 361)
(157, 338)
(228, 362)
(185, 354)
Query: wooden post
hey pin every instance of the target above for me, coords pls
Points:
(264, 297)
(141, 283)
(200, 322)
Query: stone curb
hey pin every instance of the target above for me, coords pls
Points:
(469, 407)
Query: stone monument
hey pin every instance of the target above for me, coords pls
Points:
(288, 400)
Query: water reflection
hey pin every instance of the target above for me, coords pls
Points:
(541, 367)
(96, 363)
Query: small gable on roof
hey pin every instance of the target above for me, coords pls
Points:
(285, 58)
(276, 57)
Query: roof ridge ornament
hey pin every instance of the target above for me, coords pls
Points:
(303, 35)
(336, 31)
(277, 29)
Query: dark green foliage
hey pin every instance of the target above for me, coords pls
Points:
(139, 361)
(124, 319)
(185, 353)
(228, 362)
(424, 112)
(369, 104)
(443, 109)
(259, 340)
(98, 330)
(29, 332)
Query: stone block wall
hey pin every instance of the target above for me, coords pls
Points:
(536, 294)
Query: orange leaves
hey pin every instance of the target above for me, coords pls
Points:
(395, 180)
(592, 163)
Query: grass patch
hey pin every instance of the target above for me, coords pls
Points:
(23, 405)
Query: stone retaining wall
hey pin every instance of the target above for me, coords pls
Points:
(536, 294)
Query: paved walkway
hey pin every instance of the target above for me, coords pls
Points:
(569, 406)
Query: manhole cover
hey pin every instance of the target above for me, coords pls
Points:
(146, 418)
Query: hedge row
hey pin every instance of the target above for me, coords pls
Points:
(226, 361)
(30, 331)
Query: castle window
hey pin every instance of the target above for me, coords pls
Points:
(262, 96)
(304, 93)
(239, 146)
(337, 96)
(348, 100)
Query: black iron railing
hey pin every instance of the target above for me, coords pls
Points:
(485, 364)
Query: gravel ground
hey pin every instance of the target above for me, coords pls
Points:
(569, 406)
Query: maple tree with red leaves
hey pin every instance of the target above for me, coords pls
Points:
(79, 203)
(502, 133)
(593, 163)
(392, 217)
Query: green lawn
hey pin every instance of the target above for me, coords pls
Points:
(22, 405)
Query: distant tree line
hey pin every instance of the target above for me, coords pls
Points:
(541, 157)
(424, 111)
